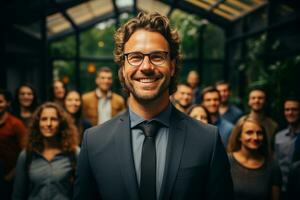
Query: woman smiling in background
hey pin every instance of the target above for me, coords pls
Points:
(255, 175)
(25, 103)
(46, 169)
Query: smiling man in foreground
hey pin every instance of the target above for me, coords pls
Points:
(152, 151)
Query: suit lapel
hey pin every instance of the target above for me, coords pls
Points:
(174, 152)
(124, 153)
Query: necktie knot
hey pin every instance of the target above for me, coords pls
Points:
(149, 128)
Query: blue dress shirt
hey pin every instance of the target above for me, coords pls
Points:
(161, 142)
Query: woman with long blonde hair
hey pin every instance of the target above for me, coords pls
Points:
(254, 173)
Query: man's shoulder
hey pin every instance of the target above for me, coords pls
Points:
(233, 108)
(200, 138)
(243, 117)
(180, 117)
(14, 121)
(117, 96)
(12, 118)
(281, 134)
(271, 121)
(106, 127)
(225, 123)
(103, 137)
(88, 95)
(194, 127)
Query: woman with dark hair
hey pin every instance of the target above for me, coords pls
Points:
(58, 92)
(255, 175)
(46, 168)
(73, 105)
(199, 113)
(25, 102)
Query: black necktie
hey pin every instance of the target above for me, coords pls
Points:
(148, 163)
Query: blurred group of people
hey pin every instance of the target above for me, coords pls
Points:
(40, 143)
(264, 161)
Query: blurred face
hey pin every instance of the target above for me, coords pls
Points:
(291, 111)
(104, 81)
(224, 92)
(3, 104)
(257, 100)
(211, 101)
(251, 136)
(59, 90)
(193, 79)
(147, 82)
(199, 114)
(72, 102)
(49, 122)
(25, 96)
(184, 96)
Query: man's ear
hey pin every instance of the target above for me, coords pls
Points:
(123, 71)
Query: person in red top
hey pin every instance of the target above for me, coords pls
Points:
(12, 140)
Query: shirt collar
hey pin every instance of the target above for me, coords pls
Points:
(163, 117)
(100, 95)
(292, 132)
(218, 122)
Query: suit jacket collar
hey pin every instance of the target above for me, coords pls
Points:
(174, 152)
(176, 142)
(125, 156)
(100, 95)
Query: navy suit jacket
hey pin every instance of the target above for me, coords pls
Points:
(197, 166)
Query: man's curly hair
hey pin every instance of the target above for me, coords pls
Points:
(67, 132)
(153, 22)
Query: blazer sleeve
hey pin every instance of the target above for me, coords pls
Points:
(220, 184)
(85, 187)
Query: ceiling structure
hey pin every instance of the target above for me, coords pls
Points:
(220, 12)
(91, 12)
(64, 17)
(88, 13)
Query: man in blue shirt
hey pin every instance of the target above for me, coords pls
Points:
(227, 110)
(211, 101)
(287, 140)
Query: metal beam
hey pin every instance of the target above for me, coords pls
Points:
(254, 11)
(65, 14)
(135, 8)
(77, 43)
(278, 25)
(89, 24)
(215, 5)
(192, 9)
(27, 12)
(47, 77)
(116, 12)
(173, 5)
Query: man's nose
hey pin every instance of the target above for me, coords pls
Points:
(146, 64)
(48, 122)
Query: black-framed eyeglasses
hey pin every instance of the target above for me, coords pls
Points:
(157, 58)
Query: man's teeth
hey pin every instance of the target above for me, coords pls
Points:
(147, 80)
